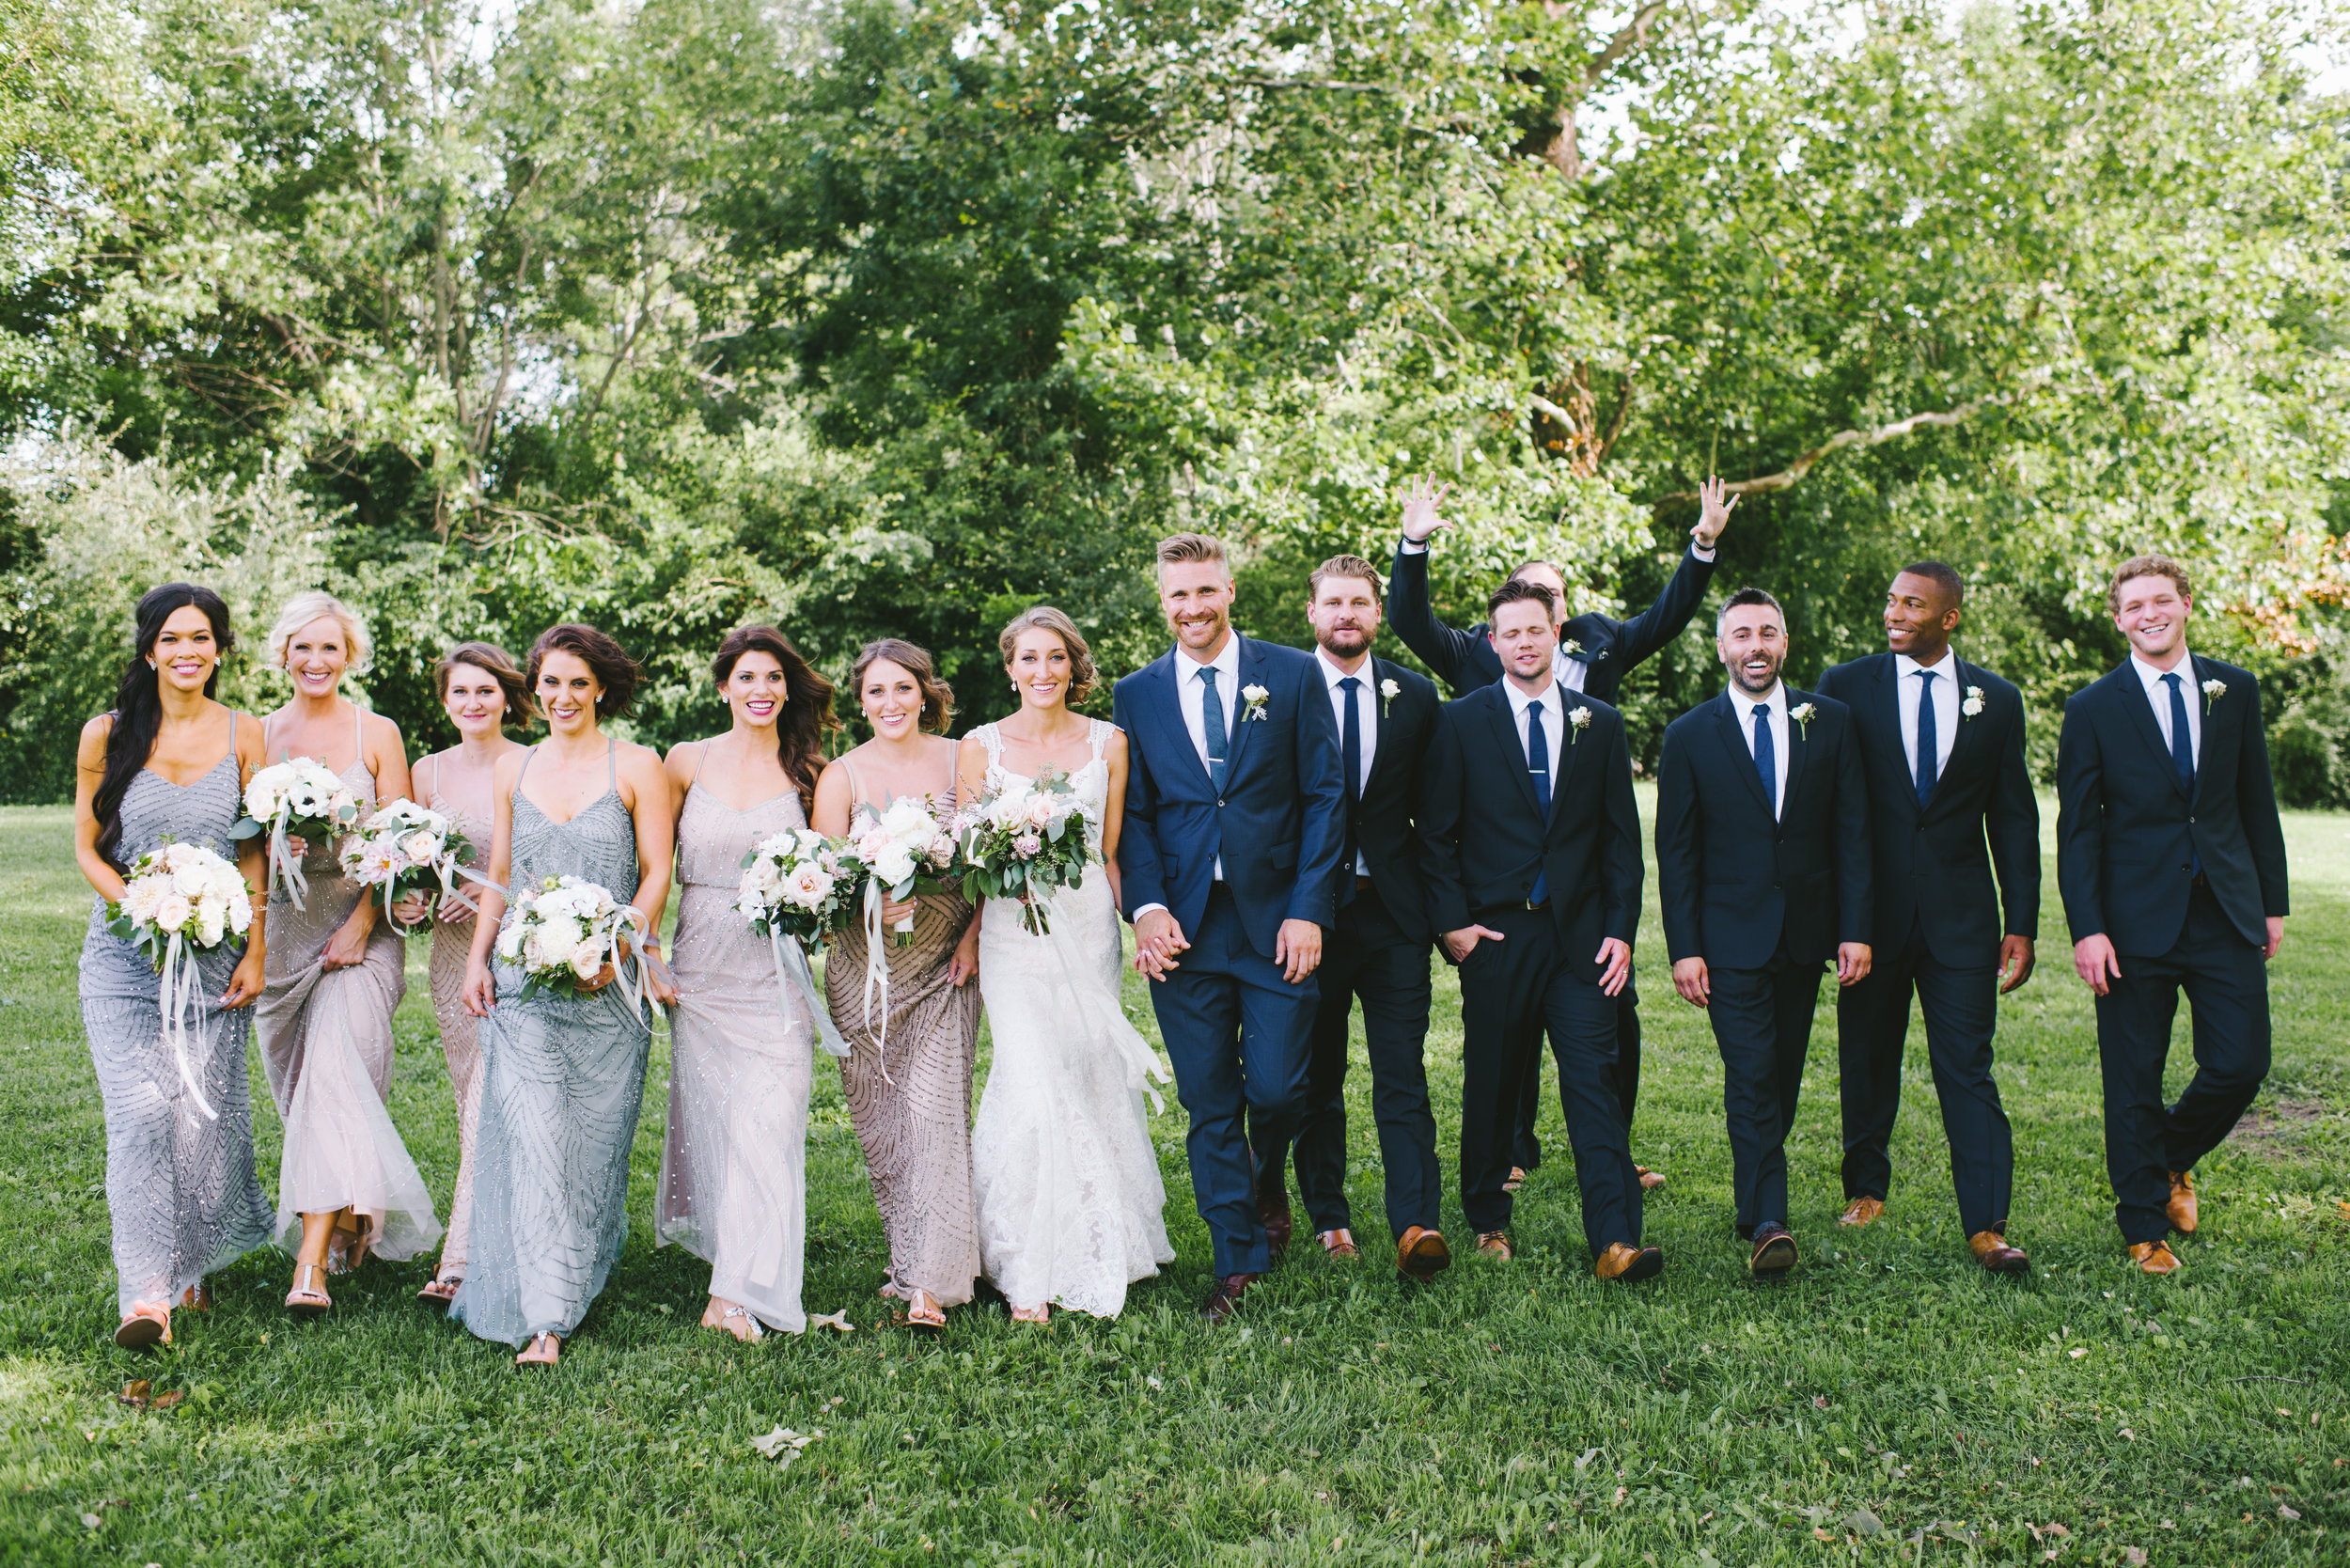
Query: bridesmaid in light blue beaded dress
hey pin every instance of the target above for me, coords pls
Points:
(169, 762)
(562, 1076)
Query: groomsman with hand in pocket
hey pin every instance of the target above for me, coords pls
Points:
(1950, 802)
(2172, 860)
(1763, 851)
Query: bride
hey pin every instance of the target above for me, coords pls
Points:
(1066, 1179)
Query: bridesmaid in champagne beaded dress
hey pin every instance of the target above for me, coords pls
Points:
(168, 762)
(911, 1106)
(733, 1167)
(482, 693)
(345, 1183)
(563, 1077)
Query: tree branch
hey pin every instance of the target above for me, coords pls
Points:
(1792, 475)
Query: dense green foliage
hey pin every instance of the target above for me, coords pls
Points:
(876, 318)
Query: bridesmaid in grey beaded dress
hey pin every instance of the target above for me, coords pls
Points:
(563, 1077)
(912, 1110)
(733, 1167)
(169, 762)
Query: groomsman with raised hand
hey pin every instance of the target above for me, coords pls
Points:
(1533, 863)
(2171, 861)
(1594, 653)
(1942, 742)
(1379, 949)
(1235, 813)
(1763, 851)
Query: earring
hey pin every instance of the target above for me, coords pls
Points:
(150, 664)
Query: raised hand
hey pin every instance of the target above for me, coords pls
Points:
(1712, 512)
(1421, 498)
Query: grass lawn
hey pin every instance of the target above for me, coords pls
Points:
(1890, 1403)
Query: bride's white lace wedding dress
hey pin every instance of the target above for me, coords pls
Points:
(1066, 1179)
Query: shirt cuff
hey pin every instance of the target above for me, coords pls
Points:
(1144, 910)
(1700, 552)
(1406, 547)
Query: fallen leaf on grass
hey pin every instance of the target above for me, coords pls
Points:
(1621, 1495)
(2284, 1512)
(2134, 1556)
(1861, 1522)
(2078, 1352)
(832, 1320)
(165, 1401)
(135, 1394)
(783, 1445)
(92, 1520)
(1819, 1534)
(2059, 1530)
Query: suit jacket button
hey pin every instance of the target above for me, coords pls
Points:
(1219, 806)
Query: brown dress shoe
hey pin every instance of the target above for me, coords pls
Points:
(1650, 1180)
(1625, 1263)
(1517, 1179)
(2181, 1208)
(1992, 1251)
(2154, 1258)
(1224, 1297)
(1494, 1244)
(1861, 1211)
(1273, 1209)
(1421, 1253)
(1339, 1244)
(1773, 1253)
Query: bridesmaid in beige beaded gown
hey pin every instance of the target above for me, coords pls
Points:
(911, 1106)
(733, 1188)
(482, 691)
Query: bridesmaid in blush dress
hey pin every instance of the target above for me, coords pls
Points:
(562, 1075)
(482, 693)
(168, 762)
(911, 1111)
(733, 1167)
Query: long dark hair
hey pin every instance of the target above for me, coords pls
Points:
(614, 670)
(807, 716)
(138, 710)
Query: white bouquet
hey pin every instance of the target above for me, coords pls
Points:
(902, 850)
(181, 900)
(298, 798)
(561, 934)
(406, 848)
(798, 889)
(1023, 841)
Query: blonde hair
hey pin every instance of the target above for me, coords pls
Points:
(1192, 547)
(2151, 565)
(1043, 617)
(303, 608)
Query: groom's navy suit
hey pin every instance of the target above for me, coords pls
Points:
(1230, 862)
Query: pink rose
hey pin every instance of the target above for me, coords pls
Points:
(1028, 846)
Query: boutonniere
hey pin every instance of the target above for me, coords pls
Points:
(1387, 690)
(1574, 649)
(1254, 696)
(1578, 721)
(1804, 715)
(2213, 691)
(1973, 704)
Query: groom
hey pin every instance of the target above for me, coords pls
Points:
(1235, 812)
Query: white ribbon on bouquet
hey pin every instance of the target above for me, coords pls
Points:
(181, 993)
(877, 974)
(793, 974)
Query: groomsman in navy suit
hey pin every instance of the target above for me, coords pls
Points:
(1235, 818)
(1379, 949)
(2171, 861)
(1762, 854)
(1594, 653)
(1949, 802)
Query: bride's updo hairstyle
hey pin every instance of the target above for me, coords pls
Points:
(938, 698)
(1082, 675)
(614, 670)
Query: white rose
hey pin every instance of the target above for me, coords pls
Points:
(809, 887)
(172, 911)
(209, 920)
(893, 864)
(140, 898)
(1040, 810)
(239, 913)
(421, 846)
(510, 944)
(587, 961)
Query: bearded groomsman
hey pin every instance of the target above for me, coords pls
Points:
(1942, 742)
(1763, 851)
(1378, 951)
(1533, 862)
(2171, 861)
(1594, 653)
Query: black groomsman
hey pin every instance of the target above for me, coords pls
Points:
(1533, 865)
(1763, 850)
(1378, 950)
(2171, 861)
(1595, 652)
(1942, 742)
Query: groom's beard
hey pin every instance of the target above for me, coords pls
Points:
(1752, 686)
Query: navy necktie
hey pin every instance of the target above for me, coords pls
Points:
(2183, 754)
(1929, 740)
(1538, 764)
(1765, 756)
(1212, 725)
(1351, 758)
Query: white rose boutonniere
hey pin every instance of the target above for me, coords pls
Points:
(1578, 721)
(1803, 715)
(1574, 649)
(1387, 690)
(1973, 704)
(1255, 697)
(2213, 691)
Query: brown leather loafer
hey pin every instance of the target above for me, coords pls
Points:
(1421, 1253)
(1494, 1244)
(1650, 1180)
(1224, 1297)
(1625, 1263)
(1992, 1251)
(1773, 1253)
(2154, 1258)
(1861, 1211)
(1339, 1244)
(2181, 1208)
(1273, 1209)
(1517, 1179)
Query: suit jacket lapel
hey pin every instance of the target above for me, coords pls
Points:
(1798, 748)
(1733, 737)
(1962, 739)
(1503, 717)
(1245, 670)
(1176, 737)
(2141, 702)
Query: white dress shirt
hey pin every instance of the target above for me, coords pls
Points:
(1945, 700)
(2158, 694)
(1743, 706)
(1189, 690)
(1367, 703)
(1571, 671)
(1553, 703)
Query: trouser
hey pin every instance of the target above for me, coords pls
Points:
(1511, 991)
(1367, 955)
(1961, 1008)
(1762, 1022)
(2227, 989)
(1627, 1076)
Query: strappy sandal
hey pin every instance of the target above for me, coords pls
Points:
(1041, 1312)
(345, 1256)
(307, 1301)
(924, 1315)
(146, 1324)
(196, 1297)
(440, 1290)
(752, 1332)
(542, 1351)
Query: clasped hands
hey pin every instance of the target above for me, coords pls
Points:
(1159, 938)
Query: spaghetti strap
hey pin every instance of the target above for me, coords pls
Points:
(699, 758)
(528, 752)
(359, 732)
(856, 790)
